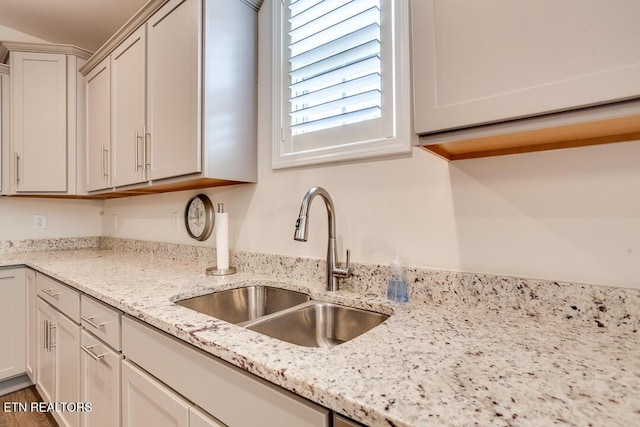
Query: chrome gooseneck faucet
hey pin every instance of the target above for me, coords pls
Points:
(333, 272)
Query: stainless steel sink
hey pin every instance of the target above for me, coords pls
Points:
(318, 324)
(245, 304)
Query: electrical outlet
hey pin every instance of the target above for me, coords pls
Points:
(39, 222)
(114, 221)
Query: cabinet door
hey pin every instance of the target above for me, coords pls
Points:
(67, 344)
(45, 351)
(199, 418)
(12, 319)
(147, 402)
(100, 382)
(32, 324)
(39, 118)
(481, 62)
(128, 112)
(98, 93)
(173, 90)
(4, 130)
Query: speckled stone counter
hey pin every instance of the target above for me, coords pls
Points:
(435, 361)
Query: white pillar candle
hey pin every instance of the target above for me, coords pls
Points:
(222, 238)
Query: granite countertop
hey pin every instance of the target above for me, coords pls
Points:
(428, 364)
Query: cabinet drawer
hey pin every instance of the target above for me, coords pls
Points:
(101, 320)
(62, 297)
(215, 385)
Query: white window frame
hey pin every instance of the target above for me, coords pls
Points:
(395, 139)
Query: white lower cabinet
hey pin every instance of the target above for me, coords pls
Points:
(58, 361)
(100, 382)
(32, 324)
(45, 356)
(100, 360)
(13, 320)
(58, 347)
(199, 418)
(147, 402)
(217, 387)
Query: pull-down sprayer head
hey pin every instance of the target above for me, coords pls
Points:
(301, 234)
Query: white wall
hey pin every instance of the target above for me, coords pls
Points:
(65, 218)
(10, 35)
(564, 215)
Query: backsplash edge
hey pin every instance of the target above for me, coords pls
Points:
(600, 306)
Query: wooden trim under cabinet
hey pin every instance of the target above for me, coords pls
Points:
(591, 126)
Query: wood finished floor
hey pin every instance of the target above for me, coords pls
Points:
(24, 419)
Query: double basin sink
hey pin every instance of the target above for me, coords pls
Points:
(286, 315)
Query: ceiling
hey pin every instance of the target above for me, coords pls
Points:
(83, 23)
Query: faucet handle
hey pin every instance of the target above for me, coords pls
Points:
(345, 272)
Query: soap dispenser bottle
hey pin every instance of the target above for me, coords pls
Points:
(397, 290)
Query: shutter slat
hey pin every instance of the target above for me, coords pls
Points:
(350, 72)
(341, 29)
(330, 18)
(348, 88)
(347, 57)
(314, 12)
(345, 119)
(337, 107)
(358, 37)
(299, 6)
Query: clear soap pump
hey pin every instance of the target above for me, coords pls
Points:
(397, 290)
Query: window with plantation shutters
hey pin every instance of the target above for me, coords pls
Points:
(340, 72)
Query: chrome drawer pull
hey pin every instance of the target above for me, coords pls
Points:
(51, 343)
(46, 335)
(51, 292)
(94, 356)
(90, 321)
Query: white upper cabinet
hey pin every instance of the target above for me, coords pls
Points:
(4, 129)
(173, 81)
(129, 110)
(483, 62)
(47, 118)
(98, 93)
(39, 113)
(183, 97)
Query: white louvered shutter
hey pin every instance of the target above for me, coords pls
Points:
(336, 76)
(335, 69)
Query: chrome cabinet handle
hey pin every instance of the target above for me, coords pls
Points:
(139, 137)
(147, 148)
(89, 351)
(17, 169)
(51, 343)
(105, 162)
(45, 344)
(51, 292)
(90, 321)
